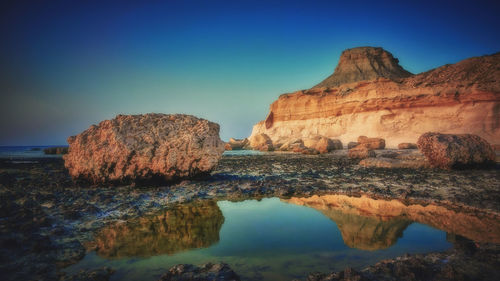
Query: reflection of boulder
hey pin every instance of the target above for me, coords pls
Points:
(390, 215)
(183, 227)
(367, 233)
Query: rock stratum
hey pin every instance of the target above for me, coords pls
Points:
(370, 94)
(131, 148)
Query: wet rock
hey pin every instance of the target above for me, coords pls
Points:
(361, 152)
(56, 150)
(371, 143)
(206, 272)
(101, 274)
(453, 151)
(261, 142)
(391, 163)
(145, 147)
(348, 274)
(407, 145)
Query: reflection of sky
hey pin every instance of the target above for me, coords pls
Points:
(278, 240)
(65, 65)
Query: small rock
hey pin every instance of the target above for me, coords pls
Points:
(361, 152)
(372, 143)
(407, 145)
(352, 144)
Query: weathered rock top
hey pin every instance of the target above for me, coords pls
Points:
(364, 63)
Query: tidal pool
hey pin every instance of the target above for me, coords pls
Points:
(269, 239)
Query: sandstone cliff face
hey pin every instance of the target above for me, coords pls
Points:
(456, 99)
(144, 147)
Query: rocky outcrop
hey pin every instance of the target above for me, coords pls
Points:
(450, 151)
(205, 272)
(364, 63)
(459, 98)
(322, 144)
(145, 147)
(236, 144)
(261, 142)
(56, 150)
(183, 227)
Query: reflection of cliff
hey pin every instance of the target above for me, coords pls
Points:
(368, 223)
(183, 227)
(367, 233)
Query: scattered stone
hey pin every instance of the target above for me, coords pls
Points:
(56, 150)
(348, 274)
(454, 151)
(361, 152)
(391, 163)
(322, 144)
(145, 147)
(101, 274)
(352, 144)
(407, 145)
(206, 272)
(261, 142)
(371, 143)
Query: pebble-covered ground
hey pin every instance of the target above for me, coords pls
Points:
(46, 218)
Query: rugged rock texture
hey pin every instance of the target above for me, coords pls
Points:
(449, 151)
(145, 147)
(407, 159)
(361, 152)
(371, 143)
(459, 98)
(322, 144)
(261, 142)
(364, 63)
(206, 272)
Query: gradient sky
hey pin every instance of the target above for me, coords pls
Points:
(65, 65)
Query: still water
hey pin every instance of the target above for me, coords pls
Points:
(270, 239)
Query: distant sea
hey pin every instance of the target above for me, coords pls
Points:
(35, 151)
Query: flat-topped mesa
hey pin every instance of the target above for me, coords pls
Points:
(462, 98)
(364, 63)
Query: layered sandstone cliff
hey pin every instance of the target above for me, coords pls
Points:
(388, 102)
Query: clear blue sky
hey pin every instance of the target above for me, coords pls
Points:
(65, 65)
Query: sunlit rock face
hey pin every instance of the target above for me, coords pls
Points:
(459, 98)
(131, 148)
(181, 228)
(371, 224)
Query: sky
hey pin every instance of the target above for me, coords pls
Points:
(65, 65)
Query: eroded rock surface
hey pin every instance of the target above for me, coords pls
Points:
(145, 147)
(448, 151)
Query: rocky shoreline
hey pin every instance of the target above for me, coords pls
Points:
(47, 219)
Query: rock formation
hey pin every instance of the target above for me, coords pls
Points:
(448, 151)
(56, 150)
(145, 147)
(364, 63)
(236, 144)
(205, 272)
(459, 98)
(187, 226)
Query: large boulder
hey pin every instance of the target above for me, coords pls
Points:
(371, 143)
(261, 142)
(360, 152)
(449, 151)
(131, 148)
(322, 144)
(292, 145)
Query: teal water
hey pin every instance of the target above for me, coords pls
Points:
(261, 240)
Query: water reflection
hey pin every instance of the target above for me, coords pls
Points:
(372, 224)
(183, 227)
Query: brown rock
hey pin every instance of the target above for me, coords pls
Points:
(56, 150)
(322, 144)
(407, 145)
(372, 143)
(449, 151)
(236, 144)
(496, 147)
(392, 163)
(133, 148)
(361, 152)
(352, 144)
(261, 142)
(291, 145)
(364, 63)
